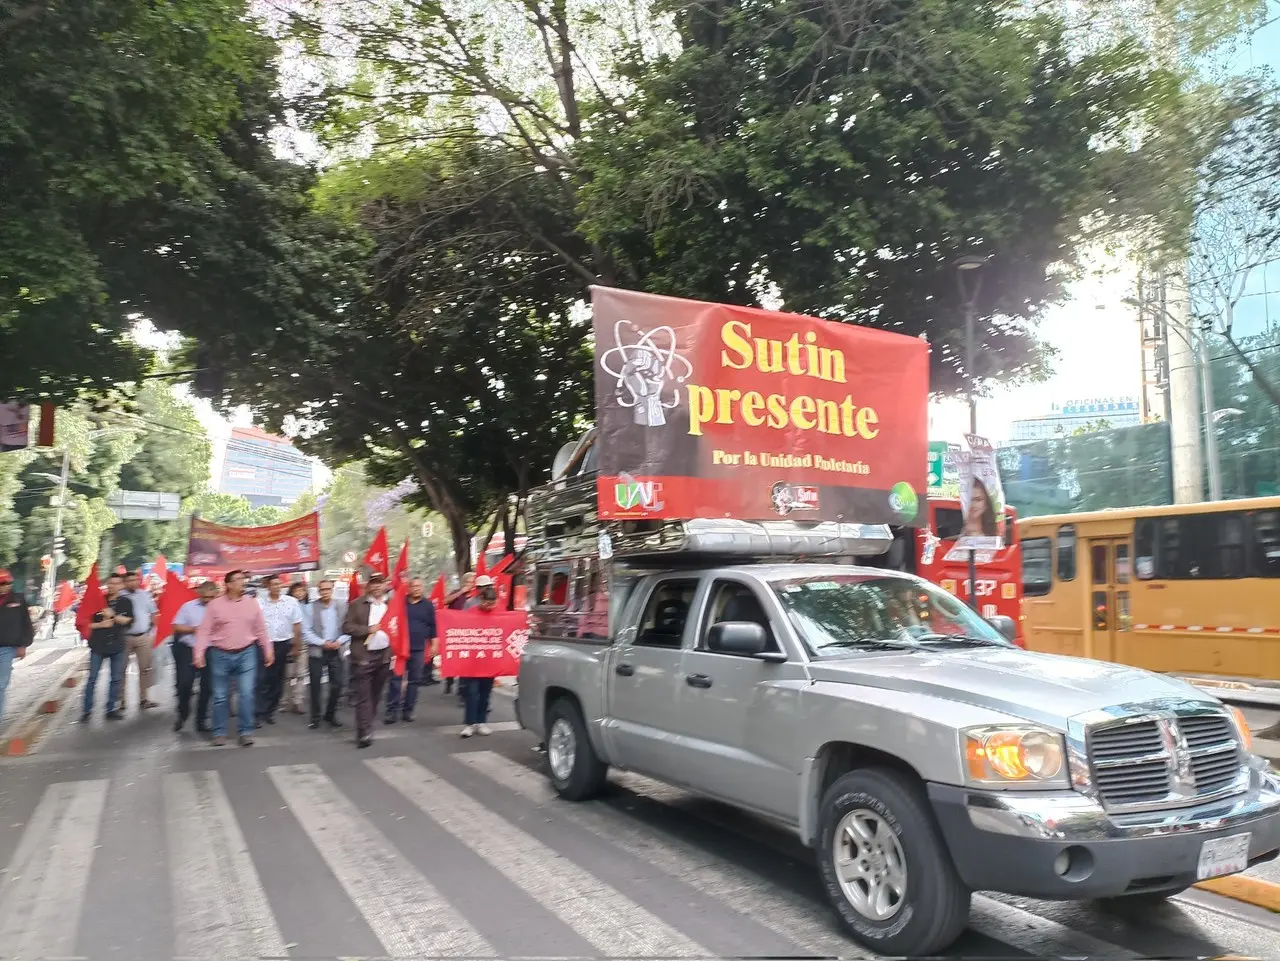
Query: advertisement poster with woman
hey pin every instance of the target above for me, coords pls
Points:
(981, 496)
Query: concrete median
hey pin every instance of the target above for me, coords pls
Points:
(19, 737)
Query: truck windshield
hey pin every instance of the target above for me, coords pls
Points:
(839, 614)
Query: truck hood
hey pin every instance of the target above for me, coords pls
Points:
(1045, 688)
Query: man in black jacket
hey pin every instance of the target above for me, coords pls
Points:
(106, 643)
(16, 631)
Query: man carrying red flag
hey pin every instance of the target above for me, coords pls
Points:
(370, 653)
(107, 626)
(402, 567)
(184, 609)
(420, 621)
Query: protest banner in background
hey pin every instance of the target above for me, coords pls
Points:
(475, 644)
(711, 410)
(291, 546)
(981, 496)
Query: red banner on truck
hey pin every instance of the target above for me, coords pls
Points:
(291, 546)
(711, 410)
(476, 644)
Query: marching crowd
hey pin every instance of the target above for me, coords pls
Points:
(261, 652)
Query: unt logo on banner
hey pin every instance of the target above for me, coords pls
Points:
(638, 495)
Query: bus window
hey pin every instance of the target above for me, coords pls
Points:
(1144, 548)
(1037, 567)
(1266, 544)
(1175, 551)
(1226, 539)
(948, 522)
(1066, 552)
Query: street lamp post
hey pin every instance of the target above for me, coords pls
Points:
(966, 267)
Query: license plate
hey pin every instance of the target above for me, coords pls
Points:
(1220, 856)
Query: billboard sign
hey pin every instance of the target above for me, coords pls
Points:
(712, 410)
(981, 496)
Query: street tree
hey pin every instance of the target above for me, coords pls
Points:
(104, 104)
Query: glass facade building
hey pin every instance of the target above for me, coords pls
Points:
(266, 470)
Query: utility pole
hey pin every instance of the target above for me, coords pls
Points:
(52, 580)
(971, 264)
(1210, 427)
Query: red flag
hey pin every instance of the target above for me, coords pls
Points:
(160, 569)
(438, 593)
(482, 568)
(175, 595)
(502, 565)
(395, 624)
(402, 566)
(354, 589)
(376, 555)
(66, 597)
(91, 603)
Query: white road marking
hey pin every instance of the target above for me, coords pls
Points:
(614, 924)
(43, 890)
(220, 907)
(403, 908)
(794, 918)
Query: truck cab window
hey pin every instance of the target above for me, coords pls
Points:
(735, 602)
(666, 613)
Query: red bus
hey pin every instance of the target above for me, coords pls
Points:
(932, 554)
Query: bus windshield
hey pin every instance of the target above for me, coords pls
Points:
(839, 614)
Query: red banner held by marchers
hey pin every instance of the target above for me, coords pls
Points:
(291, 546)
(712, 410)
(475, 644)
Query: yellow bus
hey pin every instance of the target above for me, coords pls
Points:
(1190, 589)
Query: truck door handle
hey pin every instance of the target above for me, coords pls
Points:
(626, 670)
(697, 680)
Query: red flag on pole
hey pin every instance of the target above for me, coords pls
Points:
(160, 569)
(354, 589)
(376, 555)
(438, 593)
(175, 595)
(395, 624)
(482, 567)
(66, 597)
(402, 566)
(91, 603)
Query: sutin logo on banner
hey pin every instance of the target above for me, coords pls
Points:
(638, 495)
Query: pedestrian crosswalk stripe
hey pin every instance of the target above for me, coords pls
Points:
(403, 908)
(795, 918)
(610, 921)
(222, 909)
(1004, 923)
(1029, 932)
(44, 887)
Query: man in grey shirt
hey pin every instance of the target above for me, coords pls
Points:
(139, 639)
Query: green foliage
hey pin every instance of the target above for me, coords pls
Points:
(231, 510)
(174, 458)
(103, 104)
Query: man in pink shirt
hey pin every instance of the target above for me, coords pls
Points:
(232, 625)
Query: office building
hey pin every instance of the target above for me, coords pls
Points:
(266, 470)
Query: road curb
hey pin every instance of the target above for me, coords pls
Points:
(1242, 887)
(30, 727)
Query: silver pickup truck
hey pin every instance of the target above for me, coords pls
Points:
(920, 753)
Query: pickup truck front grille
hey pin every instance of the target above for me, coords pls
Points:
(1173, 761)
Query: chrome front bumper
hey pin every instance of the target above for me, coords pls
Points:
(1010, 841)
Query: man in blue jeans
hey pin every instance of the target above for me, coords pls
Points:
(477, 690)
(421, 615)
(233, 626)
(106, 643)
(16, 631)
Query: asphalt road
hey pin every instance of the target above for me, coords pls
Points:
(128, 841)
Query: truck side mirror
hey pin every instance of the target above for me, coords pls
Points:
(1004, 625)
(737, 637)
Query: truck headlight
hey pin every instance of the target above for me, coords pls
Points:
(1013, 755)
(1242, 729)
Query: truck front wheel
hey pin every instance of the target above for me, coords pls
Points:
(577, 773)
(886, 866)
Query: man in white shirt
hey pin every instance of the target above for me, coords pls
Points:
(185, 624)
(322, 630)
(139, 639)
(283, 618)
(370, 654)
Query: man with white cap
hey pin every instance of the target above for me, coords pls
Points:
(477, 690)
